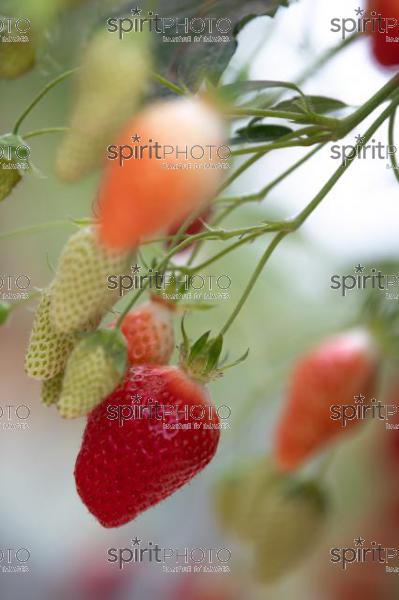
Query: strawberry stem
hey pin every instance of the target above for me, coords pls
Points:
(41, 94)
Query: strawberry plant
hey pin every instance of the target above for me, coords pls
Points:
(160, 137)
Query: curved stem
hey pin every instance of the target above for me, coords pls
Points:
(259, 268)
(168, 84)
(37, 99)
(34, 229)
(348, 162)
(44, 131)
(245, 165)
(307, 211)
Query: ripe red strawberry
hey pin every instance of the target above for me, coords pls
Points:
(149, 334)
(125, 467)
(195, 227)
(385, 31)
(330, 375)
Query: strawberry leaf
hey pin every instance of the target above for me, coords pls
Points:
(192, 61)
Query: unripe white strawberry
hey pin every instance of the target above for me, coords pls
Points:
(51, 390)
(80, 294)
(291, 521)
(48, 350)
(94, 369)
(110, 83)
(227, 498)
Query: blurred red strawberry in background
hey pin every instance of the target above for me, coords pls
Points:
(195, 227)
(384, 30)
(331, 374)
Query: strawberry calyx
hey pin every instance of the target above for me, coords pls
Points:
(202, 360)
(113, 344)
(11, 142)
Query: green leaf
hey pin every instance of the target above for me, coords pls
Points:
(235, 90)
(260, 133)
(189, 63)
(317, 104)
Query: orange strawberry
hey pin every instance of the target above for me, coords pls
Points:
(161, 182)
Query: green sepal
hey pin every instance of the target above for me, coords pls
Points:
(198, 347)
(114, 345)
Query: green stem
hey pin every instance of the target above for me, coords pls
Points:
(267, 188)
(245, 165)
(267, 254)
(391, 141)
(326, 57)
(34, 229)
(37, 99)
(279, 145)
(236, 202)
(220, 255)
(303, 215)
(299, 220)
(44, 131)
(168, 84)
(363, 112)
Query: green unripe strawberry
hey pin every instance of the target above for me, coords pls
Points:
(16, 57)
(227, 497)
(80, 294)
(291, 521)
(51, 390)
(110, 84)
(48, 350)
(9, 178)
(256, 483)
(5, 311)
(93, 371)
